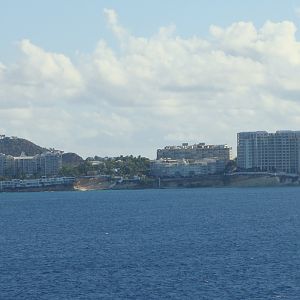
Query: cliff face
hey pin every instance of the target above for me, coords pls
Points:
(15, 146)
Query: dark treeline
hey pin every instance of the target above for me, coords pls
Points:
(127, 166)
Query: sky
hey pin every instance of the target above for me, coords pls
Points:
(125, 77)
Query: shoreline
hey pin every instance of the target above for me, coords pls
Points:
(211, 181)
(233, 180)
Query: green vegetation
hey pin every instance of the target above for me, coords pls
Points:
(126, 166)
(15, 146)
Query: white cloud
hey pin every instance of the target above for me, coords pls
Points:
(40, 75)
(153, 91)
(112, 19)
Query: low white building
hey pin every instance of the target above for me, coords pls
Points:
(186, 168)
(195, 152)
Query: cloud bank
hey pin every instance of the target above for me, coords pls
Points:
(154, 91)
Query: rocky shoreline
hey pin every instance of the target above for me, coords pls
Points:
(213, 181)
(228, 180)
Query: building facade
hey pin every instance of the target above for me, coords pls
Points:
(48, 163)
(273, 152)
(186, 168)
(196, 152)
(45, 164)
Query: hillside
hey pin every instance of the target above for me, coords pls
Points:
(15, 146)
(71, 159)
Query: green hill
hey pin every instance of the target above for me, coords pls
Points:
(15, 146)
(71, 159)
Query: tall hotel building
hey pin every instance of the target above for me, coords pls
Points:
(45, 164)
(274, 152)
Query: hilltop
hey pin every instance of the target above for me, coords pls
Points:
(14, 146)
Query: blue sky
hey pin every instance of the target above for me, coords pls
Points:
(128, 77)
(69, 26)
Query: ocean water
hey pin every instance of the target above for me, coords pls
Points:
(151, 244)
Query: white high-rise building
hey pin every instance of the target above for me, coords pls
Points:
(45, 164)
(263, 151)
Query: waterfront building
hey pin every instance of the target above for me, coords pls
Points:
(263, 151)
(41, 183)
(2, 164)
(24, 166)
(195, 152)
(7, 167)
(45, 164)
(186, 168)
(49, 163)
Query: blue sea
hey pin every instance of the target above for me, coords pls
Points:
(151, 244)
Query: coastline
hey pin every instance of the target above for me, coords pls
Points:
(213, 181)
(57, 188)
(90, 183)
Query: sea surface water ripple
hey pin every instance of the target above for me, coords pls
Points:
(151, 244)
